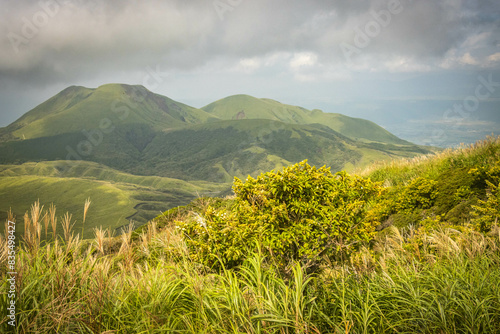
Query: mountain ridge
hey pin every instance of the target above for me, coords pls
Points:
(134, 130)
(76, 107)
(265, 108)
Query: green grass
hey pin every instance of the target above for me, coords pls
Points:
(460, 178)
(111, 206)
(152, 286)
(432, 165)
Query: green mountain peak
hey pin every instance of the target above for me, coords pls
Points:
(76, 108)
(248, 107)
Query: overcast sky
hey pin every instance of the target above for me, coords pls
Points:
(340, 56)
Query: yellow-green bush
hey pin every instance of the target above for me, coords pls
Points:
(419, 194)
(302, 213)
(487, 213)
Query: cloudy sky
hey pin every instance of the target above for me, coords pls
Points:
(394, 62)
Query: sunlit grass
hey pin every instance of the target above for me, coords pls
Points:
(116, 284)
(400, 171)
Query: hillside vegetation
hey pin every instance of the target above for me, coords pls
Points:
(412, 246)
(311, 215)
(451, 187)
(239, 107)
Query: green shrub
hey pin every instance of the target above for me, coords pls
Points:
(487, 213)
(302, 213)
(421, 193)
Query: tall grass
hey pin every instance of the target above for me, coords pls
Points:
(117, 285)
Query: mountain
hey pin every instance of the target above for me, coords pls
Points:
(79, 108)
(134, 130)
(224, 149)
(111, 125)
(247, 107)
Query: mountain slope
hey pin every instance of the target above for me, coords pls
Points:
(221, 150)
(111, 124)
(247, 107)
(79, 108)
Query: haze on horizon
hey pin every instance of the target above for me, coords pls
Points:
(428, 71)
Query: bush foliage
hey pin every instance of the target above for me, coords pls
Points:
(302, 213)
(421, 193)
(487, 213)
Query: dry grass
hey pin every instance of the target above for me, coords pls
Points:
(100, 236)
(67, 226)
(4, 250)
(53, 219)
(33, 227)
(126, 249)
(85, 208)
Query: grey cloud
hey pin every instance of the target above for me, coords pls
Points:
(93, 39)
(109, 34)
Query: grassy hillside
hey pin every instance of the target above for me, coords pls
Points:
(248, 107)
(219, 151)
(111, 205)
(78, 108)
(116, 197)
(456, 181)
(214, 151)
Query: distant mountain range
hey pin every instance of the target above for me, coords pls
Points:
(149, 152)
